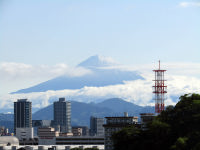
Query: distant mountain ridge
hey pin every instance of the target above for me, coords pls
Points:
(7, 120)
(81, 112)
(120, 105)
(99, 77)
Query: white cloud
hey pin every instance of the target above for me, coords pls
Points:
(174, 68)
(15, 76)
(181, 78)
(138, 92)
(189, 4)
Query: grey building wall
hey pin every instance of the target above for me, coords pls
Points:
(62, 115)
(115, 124)
(96, 126)
(22, 114)
(85, 130)
(41, 123)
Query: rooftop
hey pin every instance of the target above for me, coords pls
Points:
(62, 99)
(22, 100)
(9, 141)
(121, 117)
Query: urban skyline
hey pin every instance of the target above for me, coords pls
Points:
(138, 91)
(106, 58)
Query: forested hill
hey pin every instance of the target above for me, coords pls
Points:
(176, 128)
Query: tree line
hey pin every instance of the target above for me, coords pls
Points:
(176, 128)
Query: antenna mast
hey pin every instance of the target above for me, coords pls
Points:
(159, 89)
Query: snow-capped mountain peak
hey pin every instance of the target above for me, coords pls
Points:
(98, 61)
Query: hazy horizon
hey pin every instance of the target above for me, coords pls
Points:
(41, 40)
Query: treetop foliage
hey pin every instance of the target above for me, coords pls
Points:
(176, 128)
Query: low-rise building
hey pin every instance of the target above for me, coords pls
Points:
(50, 137)
(65, 134)
(80, 140)
(47, 135)
(85, 130)
(145, 119)
(114, 124)
(9, 141)
(77, 131)
(24, 133)
(41, 123)
(3, 131)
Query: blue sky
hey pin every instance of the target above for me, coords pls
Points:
(43, 39)
(68, 31)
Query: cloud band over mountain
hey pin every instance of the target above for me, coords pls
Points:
(182, 78)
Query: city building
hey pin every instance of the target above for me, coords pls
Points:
(41, 123)
(62, 115)
(68, 134)
(3, 131)
(22, 114)
(80, 140)
(96, 126)
(114, 124)
(77, 131)
(85, 130)
(8, 141)
(47, 135)
(33, 141)
(51, 147)
(24, 133)
(145, 119)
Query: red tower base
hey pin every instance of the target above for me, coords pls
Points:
(159, 108)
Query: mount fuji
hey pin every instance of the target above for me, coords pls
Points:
(103, 72)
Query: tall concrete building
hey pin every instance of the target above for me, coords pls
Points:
(96, 126)
(62, 115)
(22, 114)
(115, 124)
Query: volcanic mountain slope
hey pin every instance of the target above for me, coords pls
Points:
(103, 73)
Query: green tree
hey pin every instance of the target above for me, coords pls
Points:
(180, 144)
(127, 138)
(176, 128)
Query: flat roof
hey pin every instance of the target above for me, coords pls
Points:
(147, 114)
(22, 100)
(123, 117)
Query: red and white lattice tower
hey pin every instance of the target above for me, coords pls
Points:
(159, 89)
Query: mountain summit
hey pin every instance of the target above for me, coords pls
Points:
(102, 75)
(98, 61)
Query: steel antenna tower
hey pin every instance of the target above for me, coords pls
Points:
(159, 89)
